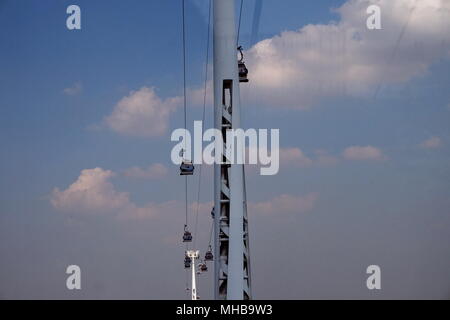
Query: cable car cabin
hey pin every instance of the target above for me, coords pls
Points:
(209, 256)
(243, 72)
(187, 236)
(186, 168)
(202, 267)
(187, 263)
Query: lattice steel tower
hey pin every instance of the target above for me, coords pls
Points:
(231, 237)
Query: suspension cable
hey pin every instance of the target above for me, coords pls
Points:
(185, 106)
(203, 116)
(185, 127)
(210, 234)
(239, 24)
(184, 70)
(397, 45)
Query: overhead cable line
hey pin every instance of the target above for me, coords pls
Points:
(239, 24)
(185, 127)
(203, 115)
(185, 106)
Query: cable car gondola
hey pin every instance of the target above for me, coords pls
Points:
(186, 168)
(203, 267)
(209, 255)
(187, 262)
(243, 71)
(187, 236)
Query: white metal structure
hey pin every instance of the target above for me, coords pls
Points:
(193, 255)
(232, 257)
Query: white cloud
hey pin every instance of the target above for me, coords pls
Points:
(155, 171)
(285, 204)
(298, 68)
(77, 88)
(297, 158)
(432, 143)
(363, 153)
(142, 113)
(294, 156)
(92, 192)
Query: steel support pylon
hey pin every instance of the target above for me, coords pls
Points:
(231, 245)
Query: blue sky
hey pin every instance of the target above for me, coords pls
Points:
(377, 167)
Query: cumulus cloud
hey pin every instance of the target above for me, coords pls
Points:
(294, 156)
(155, 171)
(297, 158)
(77, 88)
(285, 204)
(93, 193)
(432, 143)
(363, 153)
(142, 113)
(298, 68)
